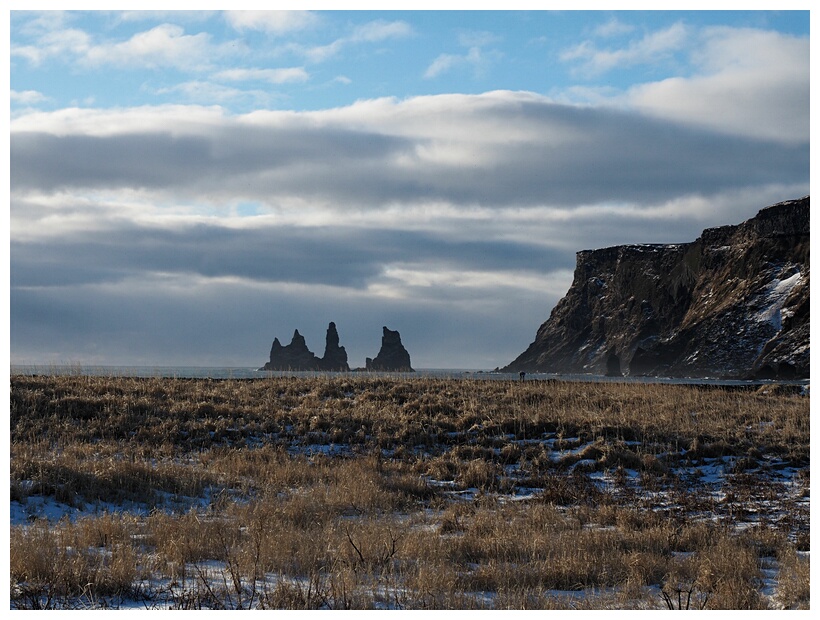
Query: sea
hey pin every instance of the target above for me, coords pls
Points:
(240, 372)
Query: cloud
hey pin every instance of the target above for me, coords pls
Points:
(370, 32)
(497, 149)
(274, 22)
(118, 284)
(217, 322)
(37, 23)
(613, 28)
(166, 45)
(176, 16)
(204, 91)
(446, 62)
(475, 58)
(650, 49)
(273, 76)
(27, 97)
(747, 82)
(119, 288)
(56, 43)
(187, 234)
(380, 30)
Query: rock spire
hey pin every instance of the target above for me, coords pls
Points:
(297, 356)
(392, 355)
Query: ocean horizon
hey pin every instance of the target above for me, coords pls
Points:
(246, 372)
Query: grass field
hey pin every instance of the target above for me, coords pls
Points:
(354, 491)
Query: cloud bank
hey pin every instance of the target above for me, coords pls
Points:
(190, 234)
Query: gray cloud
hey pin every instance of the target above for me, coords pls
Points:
(560, 155)
(333, 256)
(224, 323)
(454, 219)
(167, 161)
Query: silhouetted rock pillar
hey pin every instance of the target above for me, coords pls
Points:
(392, 355)
(295, 356)
(335, 357)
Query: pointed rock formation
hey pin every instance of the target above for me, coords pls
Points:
(392, 357)
(296, 355)
(335, 357)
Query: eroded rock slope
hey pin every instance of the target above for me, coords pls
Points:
(733, 304)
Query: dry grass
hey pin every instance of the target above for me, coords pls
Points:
(363, 492)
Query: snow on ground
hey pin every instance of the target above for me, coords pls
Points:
(709, 479)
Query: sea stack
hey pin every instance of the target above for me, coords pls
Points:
(392, 357)
(335, 357)
(296, 355)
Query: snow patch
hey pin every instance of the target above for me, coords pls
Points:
(777, 292)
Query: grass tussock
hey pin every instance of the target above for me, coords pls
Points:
(356, 492)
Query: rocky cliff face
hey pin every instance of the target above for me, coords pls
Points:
(733, 304)
(296, 355)
(392, 355)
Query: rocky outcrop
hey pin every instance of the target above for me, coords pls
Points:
(732, 304)
(335, 357)
(296, 355)
(392, 355)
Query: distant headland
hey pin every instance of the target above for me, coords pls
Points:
(392, 356)
(733, 304)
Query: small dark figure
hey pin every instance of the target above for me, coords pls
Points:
(522, 374)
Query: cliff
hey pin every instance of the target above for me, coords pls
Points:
(392, 355)
(734, 304)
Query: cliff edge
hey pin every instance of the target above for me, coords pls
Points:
(732, 304)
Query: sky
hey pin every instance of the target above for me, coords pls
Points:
(187, 185)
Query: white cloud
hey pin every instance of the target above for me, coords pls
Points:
(37, 23)
(497, 150)
(208, 92)
(747, 82)
(140, 229)
(273, 76)
(177, 119)
(447, 62)
(275, 22)
(54, 43)
(127, 226)
(27, 97)
(370, 32)
(613, 28)
(165, 16)
(380, 30)
(409, 280)
(647, 50)
(166, 45)
(475, 58)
